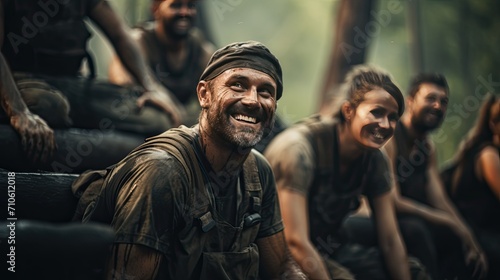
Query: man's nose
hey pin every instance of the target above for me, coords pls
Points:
(437, 105)
(185, 10)
(251, 97)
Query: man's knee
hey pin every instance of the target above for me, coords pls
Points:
(337, 271)
(49, 104)
(414, 229)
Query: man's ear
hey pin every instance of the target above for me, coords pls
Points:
(204, 94)
(347, 110)
(154, 7)
(409, 103)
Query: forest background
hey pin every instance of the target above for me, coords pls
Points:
(458, 38)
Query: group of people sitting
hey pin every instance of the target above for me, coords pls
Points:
(354, 195)
(324, 164)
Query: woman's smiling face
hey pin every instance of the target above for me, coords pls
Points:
(373, 121)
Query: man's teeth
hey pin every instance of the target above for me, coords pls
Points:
(245, 118)
(378, 135)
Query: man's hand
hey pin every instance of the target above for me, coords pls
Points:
(37, 138)
(475, 256)
(163, 100)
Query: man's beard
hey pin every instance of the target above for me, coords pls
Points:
(172, 32)
(243, 137)
(422, 126)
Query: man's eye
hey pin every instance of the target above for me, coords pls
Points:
(265, 93)
(237, 85)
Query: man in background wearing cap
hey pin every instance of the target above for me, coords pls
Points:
(199, 202)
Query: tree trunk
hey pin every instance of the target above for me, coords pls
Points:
(349, 47)
(415, 33)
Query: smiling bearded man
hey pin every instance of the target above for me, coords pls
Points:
(197, 203)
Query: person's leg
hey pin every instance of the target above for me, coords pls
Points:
(337, 271)
(451, 258)
(366, 263)
(44, 100)
(490, 243)
(419, 243)
(417, 237)
(360, 230)
(102, 105)
(59, 251)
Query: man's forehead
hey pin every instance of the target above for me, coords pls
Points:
(246, 73)
(177, 1)
(430, 88)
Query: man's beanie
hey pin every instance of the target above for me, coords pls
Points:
(249, 54)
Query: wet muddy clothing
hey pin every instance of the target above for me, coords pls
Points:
(411, 165)
(45, 43)
(165, 196)
(46, 37)
(92, 104)
(181, 81)
(330, 196)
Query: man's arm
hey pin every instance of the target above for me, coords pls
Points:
(440, 200)
(129, 261)
(130, 55)
(275, 259)
(37, 138)
(408, 205)
(443, 213)
(117, 74)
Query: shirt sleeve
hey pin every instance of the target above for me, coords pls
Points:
(271, 222)
(149, 192)
(292, 160)
(378, 172)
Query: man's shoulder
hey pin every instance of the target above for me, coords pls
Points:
(146, 26)
(206, 47)
(144, 32)
(153, 157)
(166, 145)
(198, 36)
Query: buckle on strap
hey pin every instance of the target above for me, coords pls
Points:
(206, 221)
